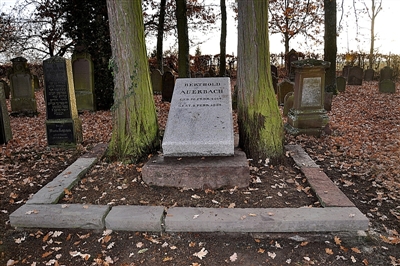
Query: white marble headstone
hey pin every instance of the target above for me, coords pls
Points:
(200, 119)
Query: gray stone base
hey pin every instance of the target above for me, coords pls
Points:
(198, 172)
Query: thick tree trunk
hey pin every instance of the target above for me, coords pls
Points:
(183, 39)
(222, 62)
(260, 122)
(160, 36)
(330, 44)
(135, 128)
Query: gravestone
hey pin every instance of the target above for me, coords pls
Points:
(82, 67)
(168, 84)
(341, 84)
(369, 74)
(156, 81)
(345, 71)
(274, 73)
(288, 104)
(6, 88)
(387, 86)
(5, 128)
(200, 119)
(22, 88)
(290, 58)
(386, 73)
(284, 88)
(36, 85)
(63, 125)
(355, 76)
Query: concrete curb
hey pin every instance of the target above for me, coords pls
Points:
(339, 214)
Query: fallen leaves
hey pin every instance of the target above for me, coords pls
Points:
(201, 254)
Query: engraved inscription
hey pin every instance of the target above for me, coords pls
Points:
(311, 94)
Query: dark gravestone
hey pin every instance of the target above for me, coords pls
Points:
(6, 88)
(82, 67)
(345, 71)
(341, 84)
(168, 84)
(22, 88)
(156, 81)
(387, 86)
(386, 73)
(274, 74)
(355, 76)
(63, 125)
(369, 74)
(5, 128)
(284, 88)
(290, 58)
(288, 104)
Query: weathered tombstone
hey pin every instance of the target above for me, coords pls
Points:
(82, 67)
(288, 104)
(284, 88)
(6, 88)
(156, 81)
(308, 115)
(345, 71)
(369, 74)
(291, 57)
(198, 144)
(5, 128)
(63, 125)
(355, 76)
(387, 86)
(168, 83)
(274, 73)
(22, 88)
(386, 73)
(200, 119)
(341, 84)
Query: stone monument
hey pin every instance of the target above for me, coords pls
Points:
(284, 88)
(156, 81)
(22, 88)
(341, 84)
(355, 77)
(198, 144)
(168, 83)
(386, 84)
(63, 125)
(5, 128)
(82, 67)
(6, 88)
(369, 74)
(308, 115)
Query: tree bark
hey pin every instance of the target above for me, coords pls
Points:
(222, 61)
(330, 44)
(259, 119)
(183, 39)
(160, 36)
(135, 128)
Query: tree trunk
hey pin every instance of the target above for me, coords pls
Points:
(260, 122)
(330, 45)
(135, 128)
(160, 36)
(183, 39)
(222, 61)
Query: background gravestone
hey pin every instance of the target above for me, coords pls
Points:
(274, 73)
(63, 125)
(369, 74)
(345, 71)
(341, 84)
(82, 67)
(387, 86)
(290, 58)
(5, 128)
(156, 81)
(284, 88)
(168, 84)
(386, 73)
(355, 76)
(22, 88)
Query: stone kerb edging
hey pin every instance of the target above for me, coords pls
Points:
(340, 215)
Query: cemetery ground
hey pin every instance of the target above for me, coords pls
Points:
(360, 155)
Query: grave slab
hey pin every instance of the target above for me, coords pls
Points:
(135, 218)
(200, 119)
(60, 216)
(198, 172)
(185, 219)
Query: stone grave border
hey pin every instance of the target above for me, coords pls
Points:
(337, 214)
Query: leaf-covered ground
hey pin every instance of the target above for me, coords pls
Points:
(361, 155)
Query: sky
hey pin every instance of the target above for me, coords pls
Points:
(388, 39)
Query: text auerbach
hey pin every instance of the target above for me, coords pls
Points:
(202, 91)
